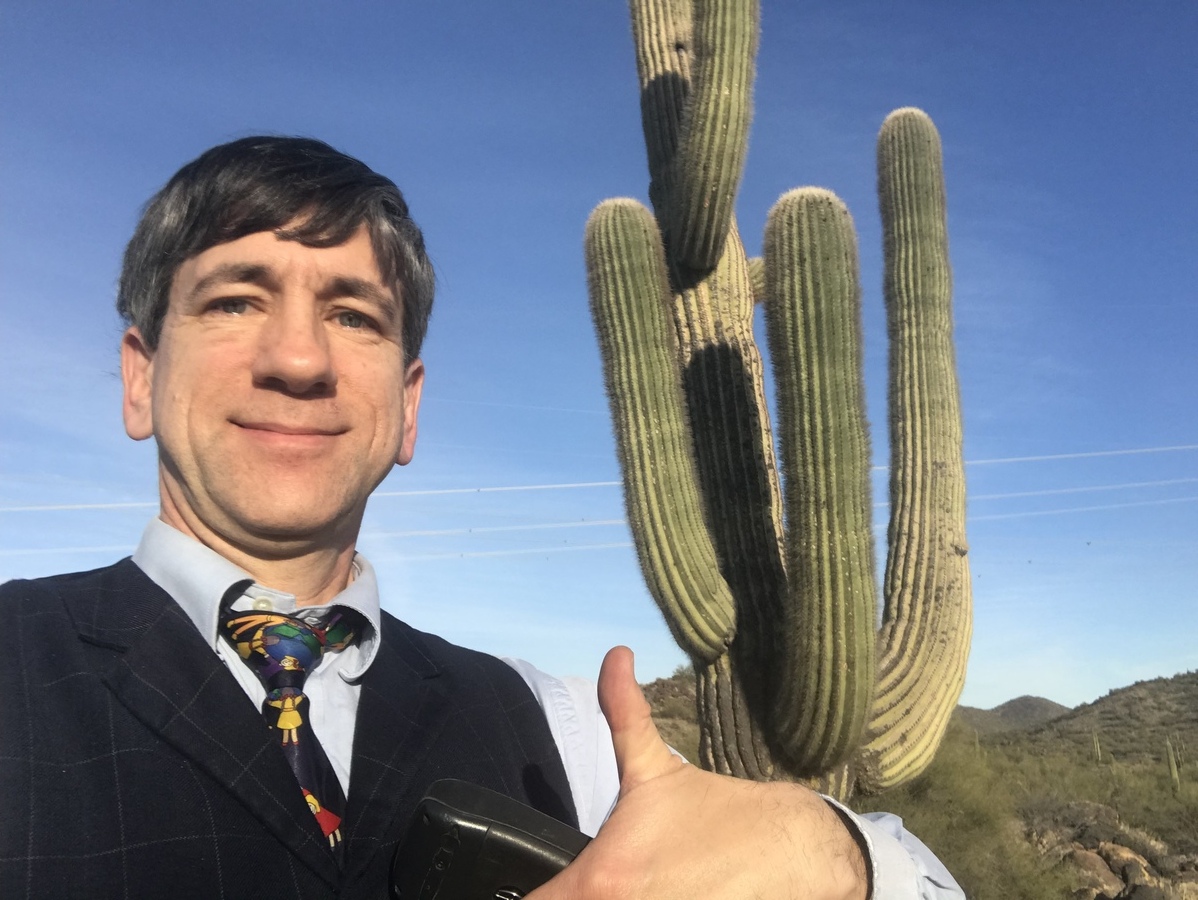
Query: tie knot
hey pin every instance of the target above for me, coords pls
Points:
(283, 649)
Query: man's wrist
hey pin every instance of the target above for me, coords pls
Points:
(859, 857)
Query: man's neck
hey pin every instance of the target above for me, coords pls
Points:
(314, 575)
(314, 579)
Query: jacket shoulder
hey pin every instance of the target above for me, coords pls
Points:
(106, 606)
(39, 590)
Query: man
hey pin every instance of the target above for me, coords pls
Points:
(229, 713)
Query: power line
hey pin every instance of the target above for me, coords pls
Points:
(428, 398)
(575, 485)
(1086, 455)
(543, 526)
(112, 548)
(1082, 490)
(1049, 492)
(1077, 509)
(528, 551)
(492, 490)
(60, 507)
(487, 529)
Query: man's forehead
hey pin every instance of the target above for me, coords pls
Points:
(266, 256)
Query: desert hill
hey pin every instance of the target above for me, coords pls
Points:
(1019, 714)
(1018, 804)
(1131, 723)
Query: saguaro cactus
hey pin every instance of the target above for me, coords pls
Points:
(767, 582)
(1174, 772)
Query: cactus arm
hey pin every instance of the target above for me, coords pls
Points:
(734, 450)
(927, 617)
(662, 32)
(825, 676)
(724, 380)
(695, 65)
(757, 279)
(629, 293)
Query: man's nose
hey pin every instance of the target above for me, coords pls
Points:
(293, 351)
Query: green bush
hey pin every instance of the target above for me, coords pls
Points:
(965, 808)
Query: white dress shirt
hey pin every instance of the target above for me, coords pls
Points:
(198, 579)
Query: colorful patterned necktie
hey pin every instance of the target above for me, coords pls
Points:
(281, 650)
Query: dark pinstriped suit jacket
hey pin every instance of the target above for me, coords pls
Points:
(133, 765)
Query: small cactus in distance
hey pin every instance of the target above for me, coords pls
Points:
(763, 565)
(1174, 772)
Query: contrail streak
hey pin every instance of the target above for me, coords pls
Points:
(1076, 509)
(532, 551)
(114, 548)
(1086, 455)
(56, 507)
(491, 490)
(1083, 490)
(486, 529)
(573, 485)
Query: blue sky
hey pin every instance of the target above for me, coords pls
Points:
(1069, 139)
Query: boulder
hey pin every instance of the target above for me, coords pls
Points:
(1143, 892)
(1128, 865)
(1094, 873)
(1091, 834)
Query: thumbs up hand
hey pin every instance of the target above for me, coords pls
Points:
(680, 832)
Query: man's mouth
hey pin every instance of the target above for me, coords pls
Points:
(289, 434)
(280, 428)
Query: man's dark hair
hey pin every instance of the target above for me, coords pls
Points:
(266, 184)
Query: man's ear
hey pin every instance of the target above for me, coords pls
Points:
(413, 384)
(137, 371)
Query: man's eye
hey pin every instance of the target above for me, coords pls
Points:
(233, 306)
(347, 318)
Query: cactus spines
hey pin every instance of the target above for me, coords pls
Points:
(629, 291)
(757, 278)
(767, 581)
(927, 621)
(695, 65)
(825, 672)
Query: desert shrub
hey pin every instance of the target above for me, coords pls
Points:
(964, 807)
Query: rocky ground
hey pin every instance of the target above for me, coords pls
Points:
(1112, 861)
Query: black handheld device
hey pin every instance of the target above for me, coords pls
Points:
(469, 843)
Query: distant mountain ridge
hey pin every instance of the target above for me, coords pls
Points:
(1131, 723)
(1021, 713)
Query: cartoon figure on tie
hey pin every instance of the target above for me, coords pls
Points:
(287, 701)
(279, 643)
(329, 822)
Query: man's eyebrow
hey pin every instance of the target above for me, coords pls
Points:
(235, 273)
(363, 289)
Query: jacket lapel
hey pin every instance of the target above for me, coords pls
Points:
(169, 678)
(402, 711)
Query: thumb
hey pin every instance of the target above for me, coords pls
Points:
(641, 754)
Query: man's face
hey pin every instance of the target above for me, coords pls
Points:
(278, 393)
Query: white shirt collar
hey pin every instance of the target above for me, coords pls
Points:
(198, 579)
